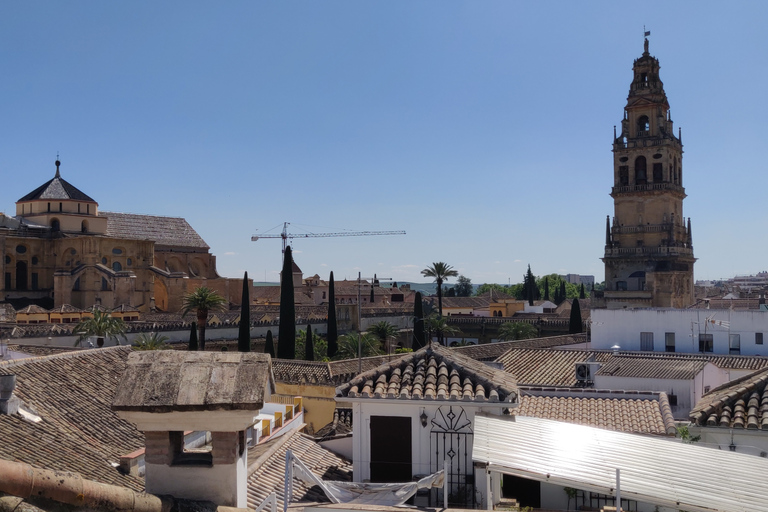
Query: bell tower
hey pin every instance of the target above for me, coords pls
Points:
(648, 245)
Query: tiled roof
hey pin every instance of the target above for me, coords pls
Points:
(164, 231)
(741, 403)
(341, 425)
(493, 295)
(433, 373)
(57, 188)
(740, 304)
(490, 351)
(161, 381)
(547, 367)
(635, 412)
(41, 350)
(79, 432)
(721, 361)
(331, 373)
(346, 369)
(651, 368)
(67, 308)
(266, 471)
(466, 302)
(32, 309)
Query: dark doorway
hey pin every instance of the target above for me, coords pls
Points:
(21, 275)
(526, 492)
(391, 449)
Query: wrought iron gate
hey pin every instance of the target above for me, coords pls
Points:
(451, 440)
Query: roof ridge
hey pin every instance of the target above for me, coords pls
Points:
(74, 353)
(261, 459)
(106, 212)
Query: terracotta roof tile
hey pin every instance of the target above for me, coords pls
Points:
(652, 368)
(490, 351)
(433, 373)
(741, 403)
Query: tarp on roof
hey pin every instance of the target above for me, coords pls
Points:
(657, 471)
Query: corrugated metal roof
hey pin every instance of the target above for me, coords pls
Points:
(656, 471)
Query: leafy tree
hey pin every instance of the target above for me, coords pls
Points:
(202, 301)
(531, 290)
(193, 337)
(309, 348)
(440, 272)
(575, 326)
(419, 337)
(244, 332)
(102, 325)
(332, 331)
(463, 287)
(385, 331)
(151, 341)
(449, 292)
(685, 435)
(269, 345)
(348, 346)
(509, 331)
(486, 287)
(286, 335)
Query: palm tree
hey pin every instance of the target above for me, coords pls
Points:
(385, 331)
(517, 331)
(102, 325)
(440, 272)
(438, 325)
(151, 341)
(202, 300)
(348, 346)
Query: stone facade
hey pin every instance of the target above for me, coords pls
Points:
(648, 247)
(60, 249)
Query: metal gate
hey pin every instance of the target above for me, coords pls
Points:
(451, 441)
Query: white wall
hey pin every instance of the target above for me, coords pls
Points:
(623, 327)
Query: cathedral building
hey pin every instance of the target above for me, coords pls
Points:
(61, 249)
(648, 244)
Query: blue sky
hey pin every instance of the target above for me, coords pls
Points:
(482, 129)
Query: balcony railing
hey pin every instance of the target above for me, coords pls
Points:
(647, 188)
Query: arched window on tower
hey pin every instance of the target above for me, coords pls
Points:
(84, 226)
(55, 225)
(643, 126)
(641, 173)
(658, 173)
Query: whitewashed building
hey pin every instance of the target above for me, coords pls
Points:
(715, 331)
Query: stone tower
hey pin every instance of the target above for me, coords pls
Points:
(648, 246)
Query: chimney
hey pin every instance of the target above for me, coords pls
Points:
(216, 396)
(9, 404)
(615, 349)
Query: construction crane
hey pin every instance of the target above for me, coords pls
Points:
(285, 235)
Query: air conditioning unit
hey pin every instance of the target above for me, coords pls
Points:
(585, 372)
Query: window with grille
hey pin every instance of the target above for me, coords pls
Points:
(734, 344)
(669, 341)
(646, 341)
(706, 343)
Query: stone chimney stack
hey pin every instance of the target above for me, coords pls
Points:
(217, 396)
(9, 404)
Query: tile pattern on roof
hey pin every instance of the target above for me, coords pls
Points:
(79, 432)
(433, 373)
(41, 350)
(651, 368)
(491, 351)
(640, 413)
(341, 425)
(57, 188)
(266, 472)
(164, 231)
(547, 367)
(739, 404)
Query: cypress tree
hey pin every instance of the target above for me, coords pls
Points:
(309, 347)
(269, 346)
(418, 323)
(531, 286)
(546, 287)
(575, 325)
(244, 333)
(193, 337)
(563, 294)
(286, 334)
(581, 292)
(333, 335)
(371, 295)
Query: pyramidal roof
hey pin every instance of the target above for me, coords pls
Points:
(57, 188)
(433, 373)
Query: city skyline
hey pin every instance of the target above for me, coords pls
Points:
(482, 130)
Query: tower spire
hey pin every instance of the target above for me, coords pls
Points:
(58, 174)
